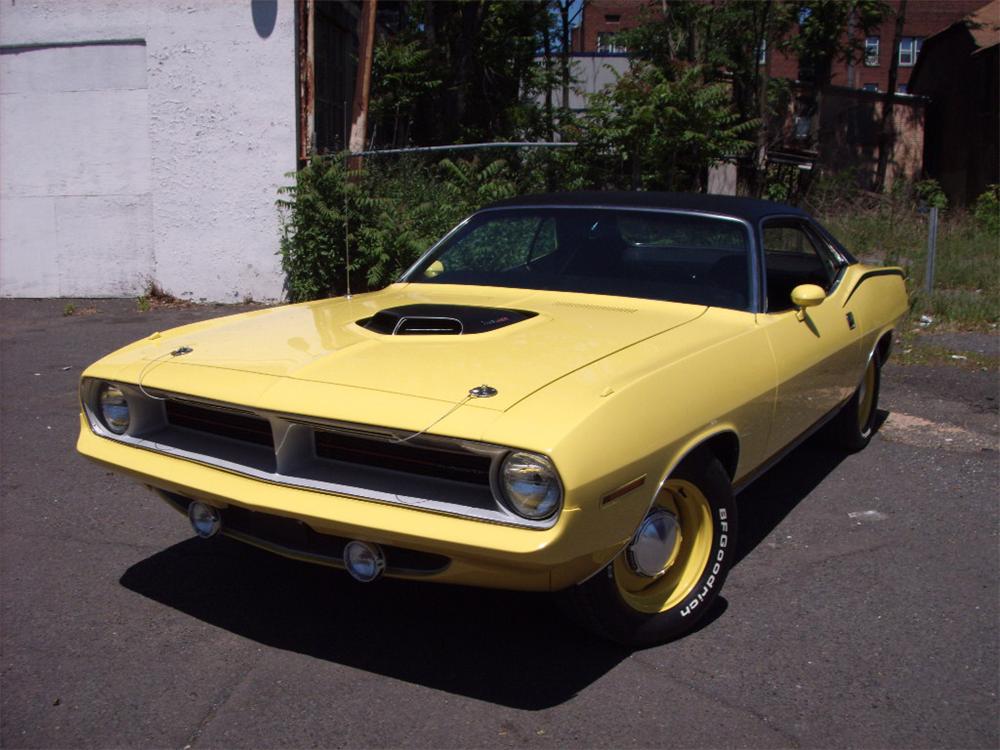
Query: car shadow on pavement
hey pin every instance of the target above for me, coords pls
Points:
(765, 503)
(510, 648)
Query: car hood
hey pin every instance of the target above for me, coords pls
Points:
(322, 342)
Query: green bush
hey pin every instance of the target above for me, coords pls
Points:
(987, 209)
(929, 192)
(381, 218)
(314, 215)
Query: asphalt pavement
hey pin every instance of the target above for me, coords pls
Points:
(862, 613)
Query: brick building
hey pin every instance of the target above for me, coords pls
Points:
(838, 131)
(602, 20)
(958, 74)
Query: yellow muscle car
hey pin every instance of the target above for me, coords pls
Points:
(563, 394)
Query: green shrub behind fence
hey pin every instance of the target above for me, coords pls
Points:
(384, 216)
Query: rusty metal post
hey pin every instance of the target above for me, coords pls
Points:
(362, 87)
(306, 49)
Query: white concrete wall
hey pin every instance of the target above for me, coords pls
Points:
(150, 150)
(594, 73)
(591, 73)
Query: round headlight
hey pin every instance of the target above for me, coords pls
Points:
(113, 408)
(531, 485)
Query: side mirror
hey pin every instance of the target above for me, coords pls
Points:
(437, 267)
(807, 295)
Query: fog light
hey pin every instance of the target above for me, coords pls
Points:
(205, 520)
(365, 562)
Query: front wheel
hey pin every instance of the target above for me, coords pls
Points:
(667, 577)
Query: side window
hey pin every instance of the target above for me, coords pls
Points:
(793, 256)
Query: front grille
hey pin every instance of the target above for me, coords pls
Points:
(459, 467)
(426, 472)
(247, 429)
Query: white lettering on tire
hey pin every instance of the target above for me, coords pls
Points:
(719, 556)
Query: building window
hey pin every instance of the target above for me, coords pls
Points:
(803, 128)
(909, 48)
(608, 45)
(902, 89)
(871, 51)
(612, 18)
(762, 52)
(870, 87)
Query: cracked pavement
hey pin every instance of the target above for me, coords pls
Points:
(863, 611)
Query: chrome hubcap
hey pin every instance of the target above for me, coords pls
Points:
(654, 545)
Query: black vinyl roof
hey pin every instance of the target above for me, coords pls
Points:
(748, 209)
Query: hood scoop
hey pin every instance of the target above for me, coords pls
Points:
(441, 320)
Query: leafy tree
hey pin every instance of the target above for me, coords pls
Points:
(886, 141)
(830, 31)
(471, 184)
(673, 33)
(734, 40)
(743, 40)
(473, 63)
(725, 39)
(403, 73)
(664, 130)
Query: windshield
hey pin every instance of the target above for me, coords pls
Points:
(678, 257)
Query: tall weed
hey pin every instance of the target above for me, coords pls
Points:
(893, 229)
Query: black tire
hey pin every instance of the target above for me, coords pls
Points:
(853, 427)
(604, 604)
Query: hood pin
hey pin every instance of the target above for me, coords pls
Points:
(483, 391)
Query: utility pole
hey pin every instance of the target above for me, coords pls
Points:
(363, 82)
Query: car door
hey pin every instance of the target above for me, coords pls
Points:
(816, 350)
